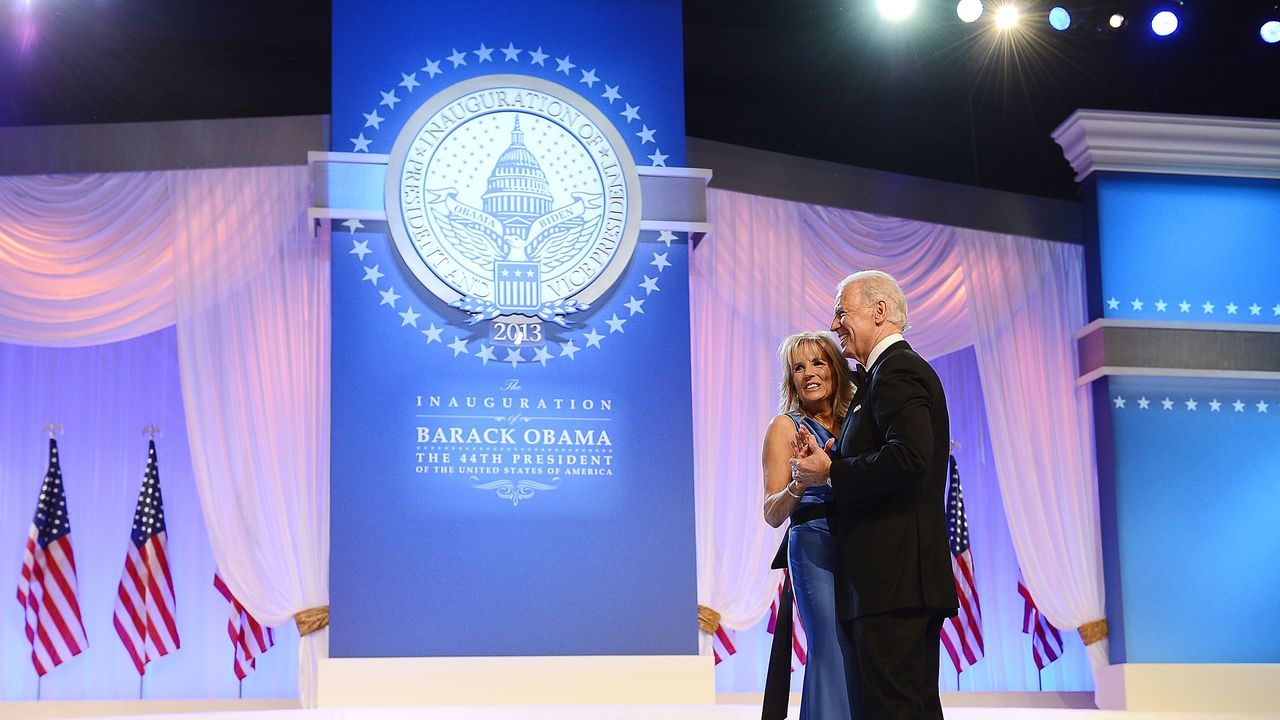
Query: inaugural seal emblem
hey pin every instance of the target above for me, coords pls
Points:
(509, 195)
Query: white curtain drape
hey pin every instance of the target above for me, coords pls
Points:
(85, 259)
(228, 256)
(1027, 299)
(771, 268)
(253, 350)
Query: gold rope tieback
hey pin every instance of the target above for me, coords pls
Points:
(1092, 632)
(708, 620)
(312, 619)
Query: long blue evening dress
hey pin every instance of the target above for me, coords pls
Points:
(811, 560)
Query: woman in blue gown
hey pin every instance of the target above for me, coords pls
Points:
(816, 391)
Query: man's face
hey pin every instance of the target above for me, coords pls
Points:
(857, 326)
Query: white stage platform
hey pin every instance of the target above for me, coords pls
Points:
(725, 711)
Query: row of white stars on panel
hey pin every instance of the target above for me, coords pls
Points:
(569, 349)
(1191, 404)
(511, 54)
(1206, 307)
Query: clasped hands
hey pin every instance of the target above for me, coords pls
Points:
(810, 464)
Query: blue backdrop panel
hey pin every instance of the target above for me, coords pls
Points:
(1197, 487)
(1189, 248)
(516, 485)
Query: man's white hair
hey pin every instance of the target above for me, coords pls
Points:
(873, 286)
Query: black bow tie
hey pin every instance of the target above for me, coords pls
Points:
(860, 376)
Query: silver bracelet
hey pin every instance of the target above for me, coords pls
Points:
(788, 489)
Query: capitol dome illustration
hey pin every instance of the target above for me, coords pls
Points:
(517, 191)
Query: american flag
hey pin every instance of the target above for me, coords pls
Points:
(722, 644)
(1046, 641)
(47, 586)
(799, 642)
(145, 616)
(962, 634)
(249, 638)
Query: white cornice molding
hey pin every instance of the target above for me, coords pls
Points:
(1106, 140)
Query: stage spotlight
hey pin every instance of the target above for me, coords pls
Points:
(1059, 18)
(896, 9)
(1270, 31)
(969, 10)
(1164, 23)
(1116, 21)
(1007, 17)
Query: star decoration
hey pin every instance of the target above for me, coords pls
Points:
(611, 93)
(645, 134)
(352, 225)
(634, 305)
(409, 82)
(563, 65)
(1262, 406)
(1167, 404)
(540, 355)
(1276, 310)
(593, 338)
(1119, 401)
(1207, 307)
(1238, 406)
(484, 54)
(1113, 304)
(1161, 305)
(1136, 303)
(1192, 404)
(409, 317)
(432, 68)
(657, 159)
(389, 99)
(485, 354)
(569, 349)
(631, 113)
(361, 143)
(433, 333)
(514, 356)
(1231, 308)
(373, 119)
(615, 324)
(650, 285)
(359, 248)
(1255, 309)
(1143, 402)
(511, 52)
(458, 346)
(1184, 306)
(589, 77)
(666, 237)
(457, 58)
(372, 275)
(389, 297)
(660, 260)
(1215, 406)
(537, 57)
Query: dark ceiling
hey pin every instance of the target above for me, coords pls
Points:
(826, 79)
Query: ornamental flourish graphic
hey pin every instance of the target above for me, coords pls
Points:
(508, 195)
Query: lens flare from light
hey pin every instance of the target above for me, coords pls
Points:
(1164, 23)
(1116, 21)
(1007, 17)
(896, 9)
(1270, 31)
(1059, 18)
(969, 10)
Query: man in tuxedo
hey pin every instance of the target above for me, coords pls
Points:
(888, 473)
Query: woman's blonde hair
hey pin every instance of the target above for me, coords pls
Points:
(788, 398)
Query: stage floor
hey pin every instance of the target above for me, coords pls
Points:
(585, 712)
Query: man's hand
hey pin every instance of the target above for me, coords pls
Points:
(810, 464)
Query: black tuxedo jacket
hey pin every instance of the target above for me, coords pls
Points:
(889, 479)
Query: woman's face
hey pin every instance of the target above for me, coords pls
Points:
(812, 375)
